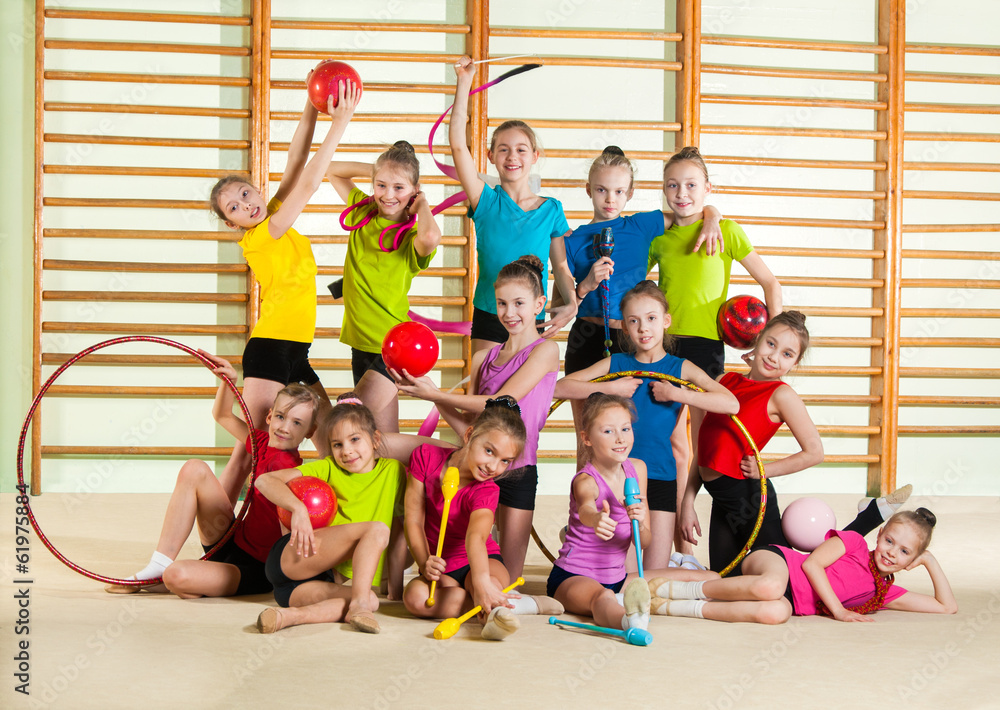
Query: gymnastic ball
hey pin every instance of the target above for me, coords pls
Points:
(324, 79)
(320, 500)
(410, 346)
(740, 321)
(806, 521)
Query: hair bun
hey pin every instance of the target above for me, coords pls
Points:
(613, 150)
(927, 515)
(505, 401)
(531, 261)
(404, 145)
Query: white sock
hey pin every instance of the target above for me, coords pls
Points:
(676, 559)
(673, 589)
(691, 562)
(620, 598)
(500, 624)
(639, 620)
(680, 607)
(157, 563)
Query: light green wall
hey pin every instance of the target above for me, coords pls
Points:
(16, 148)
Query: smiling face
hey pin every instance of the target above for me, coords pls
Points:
(289, 423)
(352, 449)
(898, 545)
(609, 189)
(517, 306)
(686, 187)
(392, 191)
(512, 155)
(610, 436)
(242, 205)
(778, 350)
(489, 453)
(645, 321)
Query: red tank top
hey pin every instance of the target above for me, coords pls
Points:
(721, 444)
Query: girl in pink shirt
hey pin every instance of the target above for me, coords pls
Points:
(840, 578)
(470, 570)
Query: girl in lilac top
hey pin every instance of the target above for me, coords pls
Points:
(589, 574)
(841, 578)
(526, 368)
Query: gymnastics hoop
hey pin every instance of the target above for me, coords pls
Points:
(746, 434)
(31, 413)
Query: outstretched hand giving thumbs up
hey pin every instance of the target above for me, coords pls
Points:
(605, 527)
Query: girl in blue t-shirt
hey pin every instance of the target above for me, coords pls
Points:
(510, 219)
(645, 317)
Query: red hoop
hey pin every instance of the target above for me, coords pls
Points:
(31, 413)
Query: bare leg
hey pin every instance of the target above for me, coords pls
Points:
(191, 579)
(515, 534)
(259, 396)
(657, 553)
(197, 496)
(450, 600)
(312, 603)
(380, 396)
(681, 445)
(586, 597)
(398, 561)
(319, 439)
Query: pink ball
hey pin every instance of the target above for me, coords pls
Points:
(806, 522)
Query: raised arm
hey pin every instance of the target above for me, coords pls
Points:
(460, 153)
(792, 411)
(577, 385)
(222, 408)
(298, 150)
(715, 398)
(428, 233)
(343, 173)
(311, 175)
(757, 269)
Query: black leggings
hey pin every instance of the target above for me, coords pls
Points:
(735, 504)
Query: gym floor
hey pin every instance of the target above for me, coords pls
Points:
(89, 649)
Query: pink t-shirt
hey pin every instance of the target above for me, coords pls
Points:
(586, 554)
(849, 576)
(260, 529)
(427, 464)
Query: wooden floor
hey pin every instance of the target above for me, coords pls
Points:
(89, 649)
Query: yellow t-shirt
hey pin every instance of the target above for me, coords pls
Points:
(696, 284)
(363, 497)
(376, 283)
(286, 271)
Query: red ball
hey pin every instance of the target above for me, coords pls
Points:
(324, 79)
(740, 321)
(410, 346)
(320, 500)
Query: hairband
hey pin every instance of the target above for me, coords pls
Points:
(351, 400)
(504, 400)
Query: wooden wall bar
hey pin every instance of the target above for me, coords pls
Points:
(235, 112)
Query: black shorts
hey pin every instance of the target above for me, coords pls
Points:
(253, 579)
(362, 362)
(283, 361)
(517, 488)
(461, 573)
(709, 355)
(486, 326)
(661, 495)
(283, 586)
(558, 575)
(585, 344)
(781, 553)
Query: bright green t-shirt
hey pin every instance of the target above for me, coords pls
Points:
(696, 284)
(363, 497)
(376, 283)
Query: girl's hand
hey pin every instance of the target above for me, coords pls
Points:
(348, 96)
(623, 386)
(420, 387)
(488, 596)
(302, 539)
(222, 366)
(711, 237)
(433, 568)
(921, 560)
(664, 391)
(418, 203)
(747, 357)
(605, 527)
(465, 70)
(601, 270)
(636, 511)
(690, 524)
(749, 468)
(845, 615)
